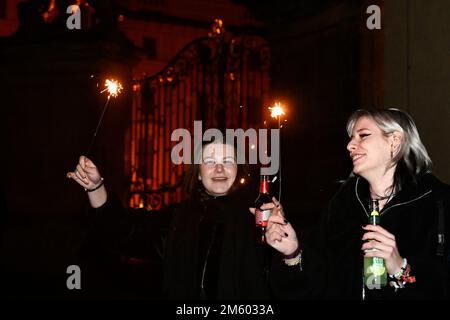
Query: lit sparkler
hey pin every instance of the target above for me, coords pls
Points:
(276, 112)
(113, 88)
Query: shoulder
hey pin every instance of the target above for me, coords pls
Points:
(439, 188)
(347, 189)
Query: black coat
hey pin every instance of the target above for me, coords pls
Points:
(332, 257)
(207, 245)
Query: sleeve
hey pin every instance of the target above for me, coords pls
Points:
(431, 264)
(307, 279)
(134, 233)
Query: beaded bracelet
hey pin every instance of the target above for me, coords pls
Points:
(398, 275)
(97, 187)
(293, 259)
(401, 278)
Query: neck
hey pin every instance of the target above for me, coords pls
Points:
(381, 184)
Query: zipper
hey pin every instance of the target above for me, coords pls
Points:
(387, 209)
(357, 196)
(202, 283)
(363, 291)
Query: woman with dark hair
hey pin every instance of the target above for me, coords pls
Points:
(392, 180)
(209, 248)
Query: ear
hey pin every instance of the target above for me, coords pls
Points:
(396, 141)
(199, 177)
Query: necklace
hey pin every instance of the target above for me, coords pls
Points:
(383, 198)
(375, 201)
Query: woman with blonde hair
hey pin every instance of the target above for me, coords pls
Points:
(391, 171)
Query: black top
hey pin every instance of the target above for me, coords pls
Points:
(207, 245)
(332, 257)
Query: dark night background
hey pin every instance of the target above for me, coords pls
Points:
(325, 63)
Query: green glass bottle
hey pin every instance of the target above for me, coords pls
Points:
(375, 274)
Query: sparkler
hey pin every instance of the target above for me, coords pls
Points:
(113, 88)
(276, 112)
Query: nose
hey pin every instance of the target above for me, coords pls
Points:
(351, 146)
(219, 167)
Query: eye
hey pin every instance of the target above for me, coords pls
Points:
(364, 135)
(209, 161)
(229, 161)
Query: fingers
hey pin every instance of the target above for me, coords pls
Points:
(78, 173)
(379, 229)
(371, 245)
(379, 237)
(276, 232)
(277, 219)
(379, 242)
(282, 238)
(278, 207)
(275, 235)
(281, 227)
(377, 249)
(87, 164)
(85, 174)
(271, 205)
(74, 176)
(276, 202)
(275, 206)
(378, 233)
(267, 206)
(85, 170)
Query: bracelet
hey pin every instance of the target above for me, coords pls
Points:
(293, 254)
(296, 260)
(401, 278)
(97, 187)
(398, 275)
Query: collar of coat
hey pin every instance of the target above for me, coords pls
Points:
(411, 192)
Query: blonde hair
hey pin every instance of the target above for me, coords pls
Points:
(412, 156)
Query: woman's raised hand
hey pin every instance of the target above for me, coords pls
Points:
(279, 233)
(86, 174)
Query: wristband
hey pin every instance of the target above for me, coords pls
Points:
(97, 187)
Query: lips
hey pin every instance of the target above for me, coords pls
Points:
(356, 157)
(219, 179)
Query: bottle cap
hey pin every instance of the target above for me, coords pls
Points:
(374, 213)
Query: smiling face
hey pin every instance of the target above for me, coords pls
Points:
(370, 149)
(218, 169)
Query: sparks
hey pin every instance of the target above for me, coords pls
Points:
(276, 111)
(113, 87)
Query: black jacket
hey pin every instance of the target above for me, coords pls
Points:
(332, 257)
(207, 245)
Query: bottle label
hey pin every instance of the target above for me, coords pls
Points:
(375, 275)
(261, 217)
(377, 268)
(264, 187)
